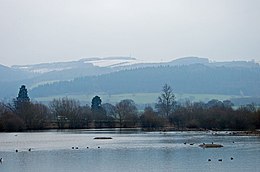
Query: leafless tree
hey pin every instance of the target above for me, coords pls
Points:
(126, 113)
(166, 101)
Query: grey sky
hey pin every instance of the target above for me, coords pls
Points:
(35, 31)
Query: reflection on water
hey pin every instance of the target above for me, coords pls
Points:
(129, 150)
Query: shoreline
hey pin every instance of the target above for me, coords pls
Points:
(213, 132)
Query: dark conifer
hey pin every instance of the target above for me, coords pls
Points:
(96, 103)
(23, 95)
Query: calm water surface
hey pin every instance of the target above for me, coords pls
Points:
(129, 150)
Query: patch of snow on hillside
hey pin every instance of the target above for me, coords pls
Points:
(45, 70)
(107, 63)
(41, 70)
(111, 62)
(116, 62)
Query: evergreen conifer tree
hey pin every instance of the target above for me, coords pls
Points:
(96, 103)
(23, 95)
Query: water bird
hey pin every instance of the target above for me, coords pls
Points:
(16, 150)
(231, 158)
(87, 147)
(29, 149)
(219, 159)
(209, 159)
(72, 147)
(191, 143)
(185, 143)
(77, 147)
(1, 160)
(98, 147)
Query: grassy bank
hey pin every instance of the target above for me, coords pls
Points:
(139, 98)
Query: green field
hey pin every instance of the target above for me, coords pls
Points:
(139, 98)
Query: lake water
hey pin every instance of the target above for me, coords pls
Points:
(129, 150)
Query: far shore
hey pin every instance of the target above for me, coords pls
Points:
(170, 129)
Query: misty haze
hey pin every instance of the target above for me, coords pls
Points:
(134, 85)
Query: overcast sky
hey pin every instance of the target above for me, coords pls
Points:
(36, 31)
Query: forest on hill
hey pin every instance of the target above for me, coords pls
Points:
(196, 79)
(124, 75)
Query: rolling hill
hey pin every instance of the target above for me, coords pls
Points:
(123, 75)
(196, 79)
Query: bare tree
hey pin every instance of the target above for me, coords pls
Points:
(66, 111)
(111, 114)
(150, 119)
(86, 116)
(9, 121)
(166, 101)
(126, 113)
(110, 110)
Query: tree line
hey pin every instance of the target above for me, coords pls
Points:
(23, 114)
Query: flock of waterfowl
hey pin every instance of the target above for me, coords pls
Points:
(30, 149)
(211, 145)
(231, 158)
(78, 147)
(203, 145)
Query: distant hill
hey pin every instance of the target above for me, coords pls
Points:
(99, 66)
(189, 61)
(195, 78)
(10, 80)
(129, 75)
(10, 74)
